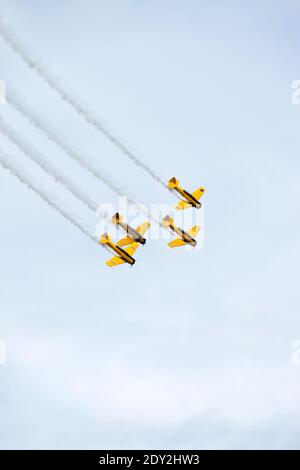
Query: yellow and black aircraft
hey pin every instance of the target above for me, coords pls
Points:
(133, 235)
(190, 200)
(185, 238)
(123, 255)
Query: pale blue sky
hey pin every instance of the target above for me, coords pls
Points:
(185, 350)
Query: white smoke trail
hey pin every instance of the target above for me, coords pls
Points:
(40, 160)
(19, 48)
(8, 163)
(53, 135)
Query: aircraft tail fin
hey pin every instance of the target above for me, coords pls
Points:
(104, 239)
(167, 221)
(173, 183)
(117, 218)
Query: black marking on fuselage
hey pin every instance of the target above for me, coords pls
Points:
(194, 200)
(125, 255)
(116, 250)
(136, 236)
(183, 235)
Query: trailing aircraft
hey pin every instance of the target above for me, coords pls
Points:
(185, 238)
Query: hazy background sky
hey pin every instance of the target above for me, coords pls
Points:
(186, 350)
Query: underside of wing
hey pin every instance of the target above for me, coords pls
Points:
(182, 205)
(132, 248)
(115, 261)
(125, 241)
(142, 229)
(199, 193)
(177, 242)
(194, 231)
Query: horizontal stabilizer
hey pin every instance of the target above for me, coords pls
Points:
(177, 242)
(173, 183)
(194, 231)
(142, 229)
(117, 218)
(115, 261)
(199, 193)
(104, 239)
(167, 221)
(183, 205)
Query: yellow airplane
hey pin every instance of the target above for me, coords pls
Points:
(190, 200)
(133, 235)
(185, 238)
(123, 255)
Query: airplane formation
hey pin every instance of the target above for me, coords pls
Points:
(125, 248)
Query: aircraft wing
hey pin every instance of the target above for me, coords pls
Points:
(194, 231)
(142, 229)
(177, 242)
(115, 261)
(125, 241)
(198, 193)
(132, 248)
(183, 205)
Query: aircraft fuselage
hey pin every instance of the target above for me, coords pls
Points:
(133, 233)
(183, 235)
(188, 197)
(120, 252)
